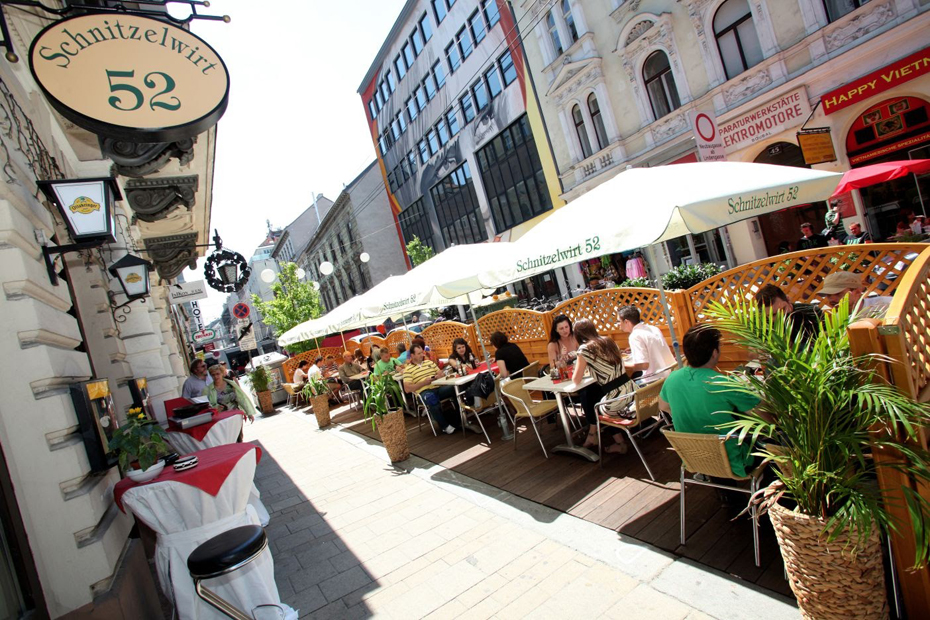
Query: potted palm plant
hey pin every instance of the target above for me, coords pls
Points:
(388, 421)
(260, 381)
(316, 391)
(140, 441)
(825, 413)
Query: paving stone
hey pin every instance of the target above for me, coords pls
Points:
(344, 561)
(304, 522)
(315, 552)
(645, 603)
(336, 609)
(345, 582)
(308, 601)
(312, 575)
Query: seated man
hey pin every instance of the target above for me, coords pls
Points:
(349, 369)
(329, 371)
(509, 357)
(387, 364)
(418, 375)
(697, 406)
(857, 235)
(649, 351)
(845, 283)
(805, 318)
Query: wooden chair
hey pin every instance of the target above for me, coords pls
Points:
(707, 455)
(526, 407)
(644, 403)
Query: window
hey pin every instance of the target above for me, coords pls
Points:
(424, 153)
(507, 69)
(385, 93)
(494, 82)
(379, 99)
(452, 54)
(463, 38)
(420, 94)
(407, 51)
(660, 84)
(554, 34)
(480, 91)
(404, 175)
(382, 145)
(468, 108)
(412, 109)
(401, 121)
(491, 12)
(432, 142)
(395, 130)
(569, 22)
(392, 181)
(453, 120)
(513, 176)
(736, 35)
(581, 132)
(457, 208)
(443, 130)
(439, 9)
(476, 25)
(425, 28)
(838, 8)
(430, 84)
(414, 221)
(417, 39)
(390, 80)
(400, 66)
(599, 130)
(440, 74)
(412, 162)
(372, 109)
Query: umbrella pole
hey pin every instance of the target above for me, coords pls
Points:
(487, 357)
(343, 336)
(668, 320)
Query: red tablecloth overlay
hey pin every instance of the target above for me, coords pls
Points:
(200, 431)
(482, 367)
(214, 466)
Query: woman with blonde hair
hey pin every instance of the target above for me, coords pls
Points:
(225, 395)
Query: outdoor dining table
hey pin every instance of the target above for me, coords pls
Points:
(189, 507)
(562, 390)
(458, 383)
(223, 429)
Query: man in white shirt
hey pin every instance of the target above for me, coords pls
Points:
(649, 352)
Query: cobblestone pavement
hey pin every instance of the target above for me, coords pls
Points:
(355, 537)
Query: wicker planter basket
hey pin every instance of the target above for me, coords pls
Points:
(393, 433)
(264, 402)
(831, 580)
(320, 406)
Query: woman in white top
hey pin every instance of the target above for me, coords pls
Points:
(563, 345)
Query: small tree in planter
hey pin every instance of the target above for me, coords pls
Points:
(685, 276)
(827, 412)
(389, 423)
(260, 381)
(139, 439)
(317, 392)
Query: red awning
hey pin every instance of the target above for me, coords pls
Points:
(879, 173)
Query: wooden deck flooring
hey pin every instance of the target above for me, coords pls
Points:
(619, 496)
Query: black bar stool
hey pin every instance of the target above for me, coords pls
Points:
(221, 555)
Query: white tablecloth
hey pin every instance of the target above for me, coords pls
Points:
(223, 432)
(183, 516)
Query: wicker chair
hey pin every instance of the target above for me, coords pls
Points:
(293, 394)
(644, 403)
(491, 403)
(528, 371)
(526, 407)
(707, 455)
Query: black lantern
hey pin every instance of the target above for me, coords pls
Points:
(225, 270)
(86, 205)
(133, 275)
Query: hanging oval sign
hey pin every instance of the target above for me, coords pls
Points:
(130, 77)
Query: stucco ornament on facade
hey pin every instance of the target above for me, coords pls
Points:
(638, 30)
(747, 86)
(873, 16)
(669, 126)
(577, 79)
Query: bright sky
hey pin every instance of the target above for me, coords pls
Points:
(295, 123)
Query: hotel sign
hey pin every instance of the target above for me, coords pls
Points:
(130, 77)
(774, 117)
(904, 70)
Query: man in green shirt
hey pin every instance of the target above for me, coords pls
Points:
(387, 364)
(697, 406)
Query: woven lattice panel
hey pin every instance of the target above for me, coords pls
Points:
(528, 329)
(291, 364)
(439, 337)
(397, 337)
(801, 274)
(372, 341)
(601, 307)
(352, 346)
(915, 325)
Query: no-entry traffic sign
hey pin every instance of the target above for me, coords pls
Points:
(241, 311)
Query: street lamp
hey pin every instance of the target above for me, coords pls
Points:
(133, 275)
(364, 257)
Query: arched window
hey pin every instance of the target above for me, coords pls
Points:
(660, 84)
(582, 132)
(553, 34)
(598, 121)
(569, 22)
(737, 39)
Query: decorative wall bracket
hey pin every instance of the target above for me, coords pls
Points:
(154, 199)
(172, 254)
(140, 159)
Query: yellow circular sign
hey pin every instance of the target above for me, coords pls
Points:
(132, 278)
(85, 205)
(130, 77)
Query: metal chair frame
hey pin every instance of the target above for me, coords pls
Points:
(645, 402)
(524, 410)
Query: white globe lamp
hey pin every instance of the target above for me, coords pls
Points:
(268, 276)
(326, 268)
(300, 273)
(364, 257)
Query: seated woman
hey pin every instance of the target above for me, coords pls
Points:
(462, 355)
(365, 362)
(562, 343)
(226, 395)
(300, 375)
(602, 356)
(509, 357)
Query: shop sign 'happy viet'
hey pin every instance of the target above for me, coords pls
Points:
(129, 77)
